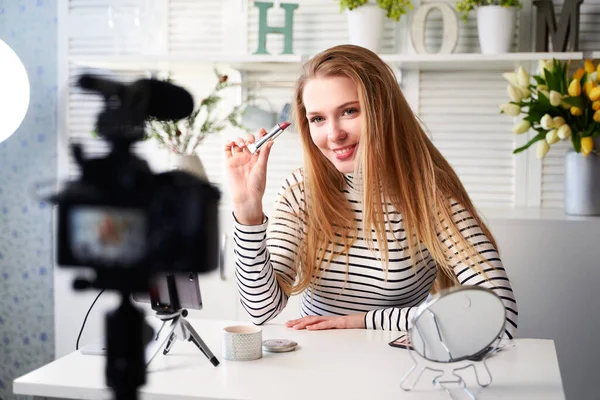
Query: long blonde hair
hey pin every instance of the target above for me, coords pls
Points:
(394, 155)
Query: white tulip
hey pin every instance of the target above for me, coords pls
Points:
(544, 64)
(566, 106)
(555, 98)
(593, 77)
(525, 92)
(514, 93)
(522, 77)
(564, 131)
(552, 136)
(546, 122)
(511, 77)
(542, 149)
(510, 109)
(557, 122)
(521, 127)
(543, 88)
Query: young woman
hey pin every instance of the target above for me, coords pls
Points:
(375, 220)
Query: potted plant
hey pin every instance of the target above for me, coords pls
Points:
(182, 138)
(559, 107)
(496, 22)
(365, 19)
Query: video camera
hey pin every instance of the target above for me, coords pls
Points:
(120, 216)
(128, 223)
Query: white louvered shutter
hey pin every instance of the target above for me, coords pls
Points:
(460, 110)
(98, 28)
(552, 171)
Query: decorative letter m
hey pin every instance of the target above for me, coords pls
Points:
(567, 30)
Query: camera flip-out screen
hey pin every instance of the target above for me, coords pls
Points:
(107, 236)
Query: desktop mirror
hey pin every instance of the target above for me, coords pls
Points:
(458, 324)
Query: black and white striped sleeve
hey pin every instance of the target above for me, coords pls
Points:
(491, 265)
(263, 252)
(394, 318)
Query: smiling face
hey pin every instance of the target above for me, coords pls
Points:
(334, 119)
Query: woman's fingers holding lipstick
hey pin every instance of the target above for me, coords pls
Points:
(250, 138)
(262, 132)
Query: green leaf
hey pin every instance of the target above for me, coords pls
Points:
(576, 140)
(575, 101)
(539, 136)
(539, 80)
(544, 102)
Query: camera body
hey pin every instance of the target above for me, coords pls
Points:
(119, 217)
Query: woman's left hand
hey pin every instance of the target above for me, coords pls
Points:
(315, 323)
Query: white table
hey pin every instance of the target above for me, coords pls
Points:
(335, 364)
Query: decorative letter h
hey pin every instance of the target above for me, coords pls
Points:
(264, 29)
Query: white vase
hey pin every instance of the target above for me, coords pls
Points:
(187, 162)
(496, 28)
(365, 26)
(582, 186)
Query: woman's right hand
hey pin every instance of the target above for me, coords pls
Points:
(247, 178)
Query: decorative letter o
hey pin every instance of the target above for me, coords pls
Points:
(449, 21)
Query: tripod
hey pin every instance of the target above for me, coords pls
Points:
(173, 316)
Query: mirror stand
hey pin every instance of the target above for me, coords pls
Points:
(451, 367)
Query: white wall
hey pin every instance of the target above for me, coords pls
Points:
(552, 262)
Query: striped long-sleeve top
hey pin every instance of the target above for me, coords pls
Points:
(262, 251)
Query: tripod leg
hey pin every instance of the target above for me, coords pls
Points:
(158, 344)
(197, 340)
(169, 343)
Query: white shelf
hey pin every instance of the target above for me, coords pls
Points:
(165, 62)
(442, 62)
(471, 61)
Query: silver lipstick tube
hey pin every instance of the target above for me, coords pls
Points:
(272, 134)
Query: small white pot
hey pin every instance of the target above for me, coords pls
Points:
(496, 28)
(365, 26)
(189, 163)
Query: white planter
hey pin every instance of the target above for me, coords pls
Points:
(187, 162)
(496, 28)
(365, 26)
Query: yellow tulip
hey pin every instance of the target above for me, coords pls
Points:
(596, 105)
(588, 65)
(595, 94)
(521, 127)
(588, 87)
(574, 88)
(597, 116)
(557, 122)
(579, 73)
(555, 98)
(552, 137)
(576, 111)
(587, 144)
(598, 69)
(542, 149)
(564, 132)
